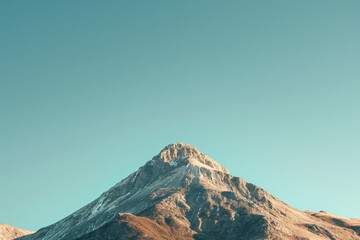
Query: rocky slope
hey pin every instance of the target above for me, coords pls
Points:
(8, 232)
(183, 194)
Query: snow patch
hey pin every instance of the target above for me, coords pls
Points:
(133, 179)
(97, 206)
(173, 163)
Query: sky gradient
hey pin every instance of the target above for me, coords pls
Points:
(91, 90)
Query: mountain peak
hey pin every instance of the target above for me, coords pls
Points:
(179, 154)
(174, 152)
(183, 194)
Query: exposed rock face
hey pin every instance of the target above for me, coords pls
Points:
(8, 232)
(183, 194)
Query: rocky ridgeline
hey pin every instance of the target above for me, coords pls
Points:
(8, 232)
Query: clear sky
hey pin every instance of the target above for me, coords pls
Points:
(91, 90)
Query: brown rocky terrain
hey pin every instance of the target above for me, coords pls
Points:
(8, 232)
(183, 194)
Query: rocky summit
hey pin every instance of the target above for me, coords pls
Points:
(183, 194)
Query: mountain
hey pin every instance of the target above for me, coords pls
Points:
(8, 232)
(183, 194)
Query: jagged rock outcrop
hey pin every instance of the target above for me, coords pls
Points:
(8, 232)
(183, 194)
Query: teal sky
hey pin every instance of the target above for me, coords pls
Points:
(91, 90)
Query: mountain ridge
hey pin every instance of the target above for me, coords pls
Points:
(8, 232)
(183, 194)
